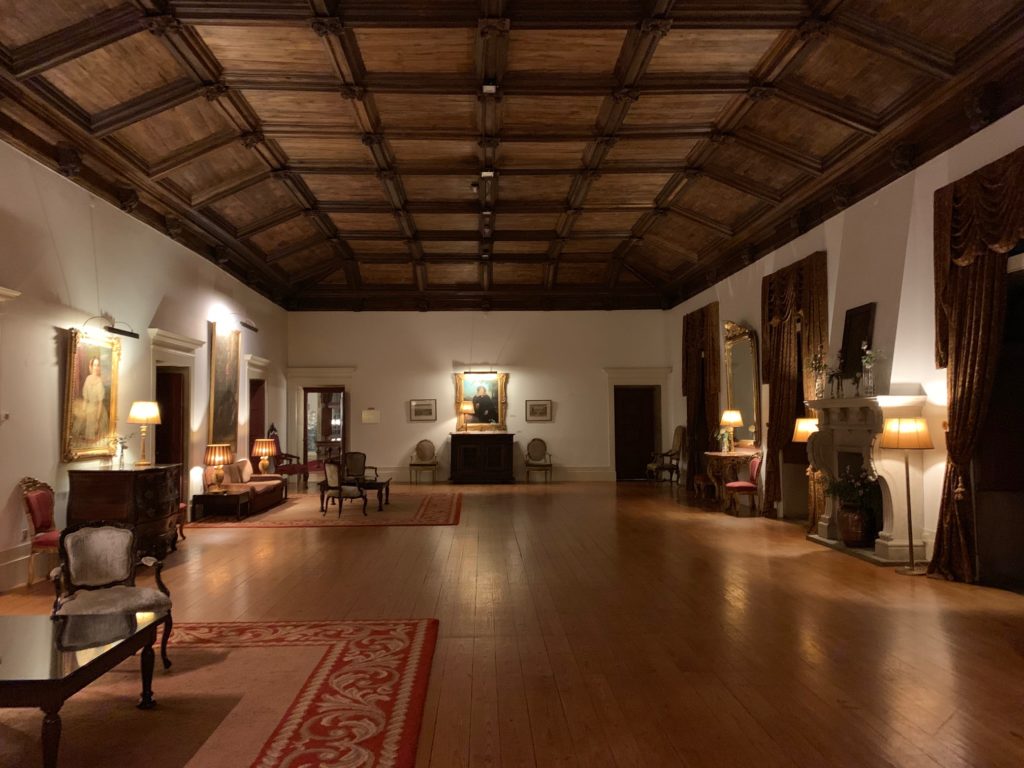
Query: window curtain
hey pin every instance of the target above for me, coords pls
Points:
(794, 309)
(978, 220)
(700, 342)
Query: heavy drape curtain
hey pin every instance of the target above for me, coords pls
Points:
(978, 220)
(794, 299)
(700, 342)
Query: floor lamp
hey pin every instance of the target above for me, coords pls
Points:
(908, 435)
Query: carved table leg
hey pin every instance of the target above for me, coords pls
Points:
(387, 492)
(51, 737)
(146, 700)
(380, 498)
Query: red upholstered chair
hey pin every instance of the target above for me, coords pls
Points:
(745, 487)
(288, 464)
(42, 531)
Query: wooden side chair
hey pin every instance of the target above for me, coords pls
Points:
(668, 461)
(42, 531)
(288, 464)
(538, 459)
(424, 459)
(745, 487)
(336, 487)
(96, 576)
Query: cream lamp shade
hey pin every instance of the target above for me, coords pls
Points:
(906, 434)
(264, 447)
(217, 455)
(143, 413)
(803, 430)
(732, 419)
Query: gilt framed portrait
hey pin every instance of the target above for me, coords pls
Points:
(90, 396)
(480, 401)
(225, 360)
(423, 410)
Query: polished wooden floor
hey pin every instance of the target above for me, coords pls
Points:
(600, 625)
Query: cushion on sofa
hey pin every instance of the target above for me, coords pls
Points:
(244, 470)
(264, 486)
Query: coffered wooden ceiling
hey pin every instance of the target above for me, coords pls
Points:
(506, 154)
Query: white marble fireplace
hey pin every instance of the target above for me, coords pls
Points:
(847, 431)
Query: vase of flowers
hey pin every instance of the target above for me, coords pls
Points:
(856, 493)
(868, 358)
(819, 367)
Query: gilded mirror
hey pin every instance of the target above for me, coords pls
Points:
(743, 382)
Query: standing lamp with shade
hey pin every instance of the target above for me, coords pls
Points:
(730, 420)
(802, 431)
(143, 413)
(264, 447)
(907, 435)
(217, 455)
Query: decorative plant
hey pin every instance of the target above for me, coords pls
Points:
(819, 363)
(855, 487)
(868, 356)
(119, 443)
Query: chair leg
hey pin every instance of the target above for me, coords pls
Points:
(163, 641)
(31, 569)
(364, 505)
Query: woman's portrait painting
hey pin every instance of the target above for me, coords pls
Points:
(480, 400)
(90, 396)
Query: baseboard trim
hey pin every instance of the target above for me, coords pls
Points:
(14, 566)
(559, 474)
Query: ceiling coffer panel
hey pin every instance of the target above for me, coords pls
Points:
(526, 155)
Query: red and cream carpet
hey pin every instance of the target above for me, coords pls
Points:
(303, 511)
(265, 695)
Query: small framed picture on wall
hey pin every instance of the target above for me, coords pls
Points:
(538, 410)
(423, 410)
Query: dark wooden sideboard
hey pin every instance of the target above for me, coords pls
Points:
(145, 498)
(482, 457)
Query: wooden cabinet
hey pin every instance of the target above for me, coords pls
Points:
(145, 498)
(482, 457)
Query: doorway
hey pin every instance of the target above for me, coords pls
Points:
(637, 429)
(324, 422)
(257, 411)
(171, 435)
(999, 486)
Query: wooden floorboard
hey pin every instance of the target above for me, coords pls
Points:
(598, 625)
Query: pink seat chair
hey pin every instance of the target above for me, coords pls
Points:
(42, 531)
(745, 487)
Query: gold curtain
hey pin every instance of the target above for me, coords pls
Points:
(978, 220)
(700, 341)
(795, 297)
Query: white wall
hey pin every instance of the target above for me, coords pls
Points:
(73, 256)
(559, 356)
(879, 250)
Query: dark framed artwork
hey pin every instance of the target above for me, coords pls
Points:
(858, 328)
(90, 396)
(538, 410)
(423, 410)
(225, 361)
(480, 401)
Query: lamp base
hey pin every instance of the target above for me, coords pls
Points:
(916, 570)
(264, 465)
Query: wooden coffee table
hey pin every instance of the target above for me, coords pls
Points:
(382, 485)
(48, 660)
(229, 502)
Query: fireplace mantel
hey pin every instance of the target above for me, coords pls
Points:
(847, 428)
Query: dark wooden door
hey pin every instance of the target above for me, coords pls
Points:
(636, 430)
(171, 434)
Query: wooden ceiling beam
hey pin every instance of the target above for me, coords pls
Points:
(704, 221)
(741, 183)
(77, 40)
(146, 105)
(268, 222)
(291, 250)
(827, 106)
(191, 153)
(804, 162)
(862, 31)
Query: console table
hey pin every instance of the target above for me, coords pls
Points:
(482, 457)
(146, 498)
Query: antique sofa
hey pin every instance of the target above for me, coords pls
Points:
(265, 491)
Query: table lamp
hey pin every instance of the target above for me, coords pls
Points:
(264, 447)
(909, 435)
(143, 413)
(217, 455)
(730, 420)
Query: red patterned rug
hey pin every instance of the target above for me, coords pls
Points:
(303, 511)
(267, 695)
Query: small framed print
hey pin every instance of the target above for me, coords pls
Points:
(538, 410)
(423, 410)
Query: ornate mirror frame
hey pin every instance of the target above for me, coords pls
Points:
(736, 334)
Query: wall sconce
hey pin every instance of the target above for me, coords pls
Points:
(111, 327)
(143, 413)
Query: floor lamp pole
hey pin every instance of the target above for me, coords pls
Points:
(913, 569)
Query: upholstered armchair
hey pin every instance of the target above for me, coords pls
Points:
(42, 532)
(668, 461)
(424, 459)
(336, 487)
(538, 459)
(355, 469)
(96, 575)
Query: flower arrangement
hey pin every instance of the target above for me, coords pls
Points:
(120, 443)
(819, 363)
(868, 356)
(855, 487)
